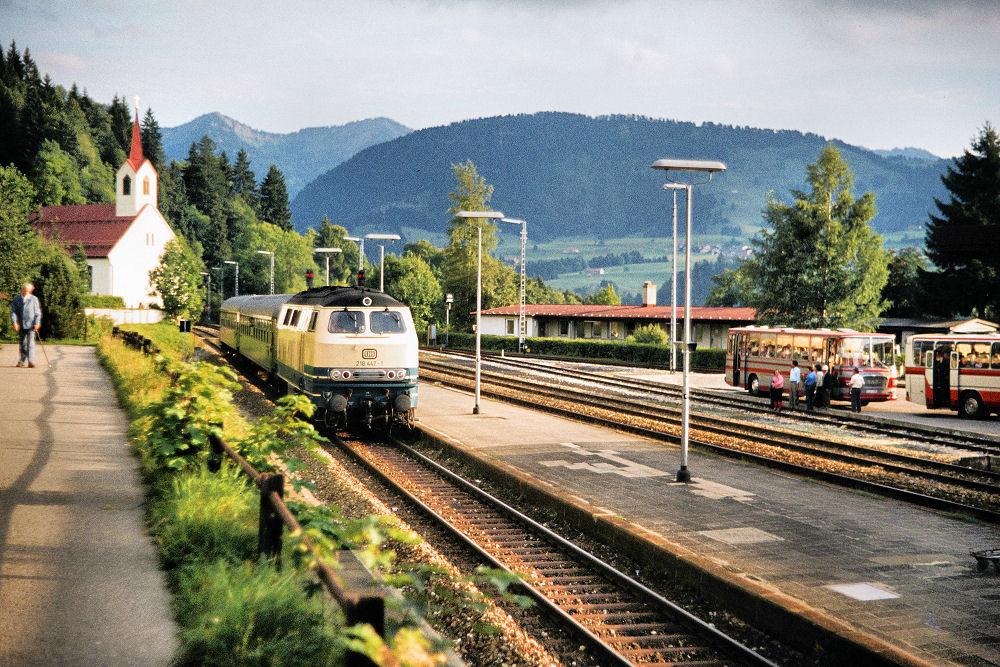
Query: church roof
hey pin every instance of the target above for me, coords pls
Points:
(94, 225)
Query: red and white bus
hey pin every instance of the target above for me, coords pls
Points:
(753, 353)
(956, 371)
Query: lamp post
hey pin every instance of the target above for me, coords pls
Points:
(521, 325)
(237, 288)
(479, 215)
(327, 252)
(208, 298)
(271, 253)
(448, 300)
(673, 280)
(381, 267)
(707, 167)
(222, 284)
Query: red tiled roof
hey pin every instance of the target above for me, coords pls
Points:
(94, 225)
(577, 311)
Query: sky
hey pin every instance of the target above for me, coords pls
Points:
(884, 74)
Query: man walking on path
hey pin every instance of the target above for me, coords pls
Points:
(26, 315)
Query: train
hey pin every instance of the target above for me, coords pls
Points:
(353, 351)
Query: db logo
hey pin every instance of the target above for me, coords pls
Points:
(369, 354)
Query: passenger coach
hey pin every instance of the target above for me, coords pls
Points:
(351, 350)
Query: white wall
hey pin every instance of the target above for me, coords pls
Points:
(135, 255)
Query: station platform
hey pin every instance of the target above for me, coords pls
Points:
(79, 578)
(876, 568)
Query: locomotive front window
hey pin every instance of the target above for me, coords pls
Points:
(387, 321)
(347, 321)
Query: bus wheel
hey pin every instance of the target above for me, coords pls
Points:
(970, 406)
(753, 385)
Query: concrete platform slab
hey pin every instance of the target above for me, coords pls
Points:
(895, 571)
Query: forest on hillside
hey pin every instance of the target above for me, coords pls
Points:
(567, 173)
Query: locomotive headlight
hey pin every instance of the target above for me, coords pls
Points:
(334, 374)
(391, 375)
(401, 374)
(340, 374)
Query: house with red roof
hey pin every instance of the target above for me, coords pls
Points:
(123, 241)
(710, 326)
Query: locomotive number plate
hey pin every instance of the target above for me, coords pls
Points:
(369, 353)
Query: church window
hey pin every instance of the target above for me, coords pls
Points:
(145, 186)
(126, 186)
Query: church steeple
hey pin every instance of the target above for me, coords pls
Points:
(135, 182)
(135, 155)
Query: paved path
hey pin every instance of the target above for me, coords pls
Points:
(897, 572)
(79, 580)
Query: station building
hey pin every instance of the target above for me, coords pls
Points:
(123, 241)
(710, 326)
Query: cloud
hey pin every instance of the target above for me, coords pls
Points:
(60, 60)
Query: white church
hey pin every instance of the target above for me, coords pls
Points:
(123, 241)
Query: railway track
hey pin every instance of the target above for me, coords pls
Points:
(972, 442)
(920, 480)
(622, 621)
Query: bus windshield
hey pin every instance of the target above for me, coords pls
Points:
(871, 351)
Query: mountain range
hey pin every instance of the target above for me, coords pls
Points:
(571, 175)
(301, 156)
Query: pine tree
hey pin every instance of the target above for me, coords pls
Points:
(245, 182)
(152, 141)
(962, 241)
(121, 124)
(274, 199)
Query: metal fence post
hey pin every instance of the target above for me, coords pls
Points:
(270, 524)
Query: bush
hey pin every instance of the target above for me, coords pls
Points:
(101, 301)
(649, 334)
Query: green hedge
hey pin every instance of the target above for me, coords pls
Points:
(593, 349)
(101, 301)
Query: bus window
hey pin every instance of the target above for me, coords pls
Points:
(754, 345)
(833, 352)
(921, 353)
(883, 352)
(816, 349)
(966, 356)
(995, 356)
(801, 348)
(767, 346)
(979, 355)
(783, 346)
(347, 321)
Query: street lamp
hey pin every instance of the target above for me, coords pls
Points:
(673, 281)
(327, 251)
(268, 252)
(521, 326)
(479, 215)
(208, 301)
(708, 167)
(448, 300)
(237, 288)
(381, 268)
(361, 254)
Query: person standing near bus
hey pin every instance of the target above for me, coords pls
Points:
(857, 382)
(810, 389)
(818, 399)
(777, 389)
(794, 382)
(827, 387)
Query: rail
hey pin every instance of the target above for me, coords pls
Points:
(274, 516)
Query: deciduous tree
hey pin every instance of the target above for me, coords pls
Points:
(178, 281)
(817, 262)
